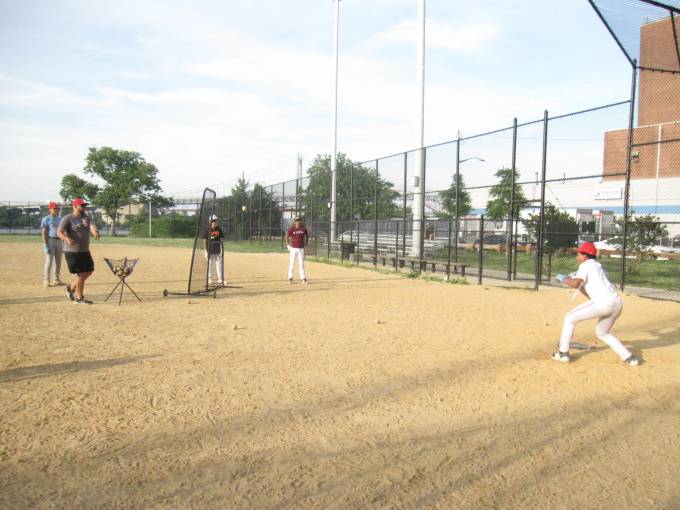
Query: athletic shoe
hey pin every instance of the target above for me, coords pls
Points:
(561, 356)
(304, 280)
(290, 280)
(57, 282)
(82, 301)
(632, 361)
(69, 293)
(46, 284)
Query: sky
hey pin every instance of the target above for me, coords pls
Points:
(210, 90)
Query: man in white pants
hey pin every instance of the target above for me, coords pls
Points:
(605, 305)
(296, 238)
(213, 240)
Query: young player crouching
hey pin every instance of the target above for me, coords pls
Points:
(604, 305)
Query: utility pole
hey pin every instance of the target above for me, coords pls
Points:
(334, 151)
(419, 185)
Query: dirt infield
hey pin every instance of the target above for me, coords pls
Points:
(360, 390)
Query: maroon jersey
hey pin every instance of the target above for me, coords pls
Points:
(297, 236)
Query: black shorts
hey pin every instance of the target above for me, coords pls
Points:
(80, 262)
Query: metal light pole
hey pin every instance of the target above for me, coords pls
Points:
(419, 187)
(334, 122)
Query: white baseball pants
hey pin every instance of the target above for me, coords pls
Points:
(606, 313)
(215, 258)
(300, 253)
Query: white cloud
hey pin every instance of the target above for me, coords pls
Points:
(440, 35)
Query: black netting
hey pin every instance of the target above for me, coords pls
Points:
(645, 30)
(198, 272)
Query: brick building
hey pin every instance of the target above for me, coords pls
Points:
(654, 155)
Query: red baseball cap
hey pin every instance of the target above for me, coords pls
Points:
(78, 201)
(53, 205)
(587, 248)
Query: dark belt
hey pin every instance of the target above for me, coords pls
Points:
(52, 237)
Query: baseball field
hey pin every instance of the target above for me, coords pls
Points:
(359, 390)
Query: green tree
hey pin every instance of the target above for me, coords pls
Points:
(73, 186)
(642, 234)
(560, 230)
(363, 183)
(127, 178)
(448, 199)
(498, 207)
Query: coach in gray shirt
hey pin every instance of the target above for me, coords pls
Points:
(75, 230)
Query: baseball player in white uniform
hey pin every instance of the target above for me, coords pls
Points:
(604, 305)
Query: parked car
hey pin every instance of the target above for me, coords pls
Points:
(491, 239)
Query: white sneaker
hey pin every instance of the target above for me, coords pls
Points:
(632, 361)
(561, 356)
(46, 284)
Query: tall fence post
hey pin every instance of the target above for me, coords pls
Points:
(375, 214)
(403, 234)
(259, 218)
(448, 265)
(283, 209)
(541, 218)
(396, 246)
(481, 250)
(422, 210)
(457, 210)
(356, 246)
(511, 224)
(271, 211)
(626, 193)
(351, 192)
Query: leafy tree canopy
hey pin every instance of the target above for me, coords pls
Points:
(448, 199)
(350, 176)
(498, 207)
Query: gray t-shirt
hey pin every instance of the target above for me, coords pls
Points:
(78, 229)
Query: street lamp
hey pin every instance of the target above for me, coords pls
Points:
(468, 159)
(458, 162)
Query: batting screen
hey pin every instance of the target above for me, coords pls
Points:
(198, 272)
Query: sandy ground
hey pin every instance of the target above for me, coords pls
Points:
(450, 401)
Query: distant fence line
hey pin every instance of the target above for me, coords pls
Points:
(506, 186)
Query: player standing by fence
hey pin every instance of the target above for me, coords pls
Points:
(605, 305)
(214, 250)
(52, 245)
(75, 230)
(296, 238)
